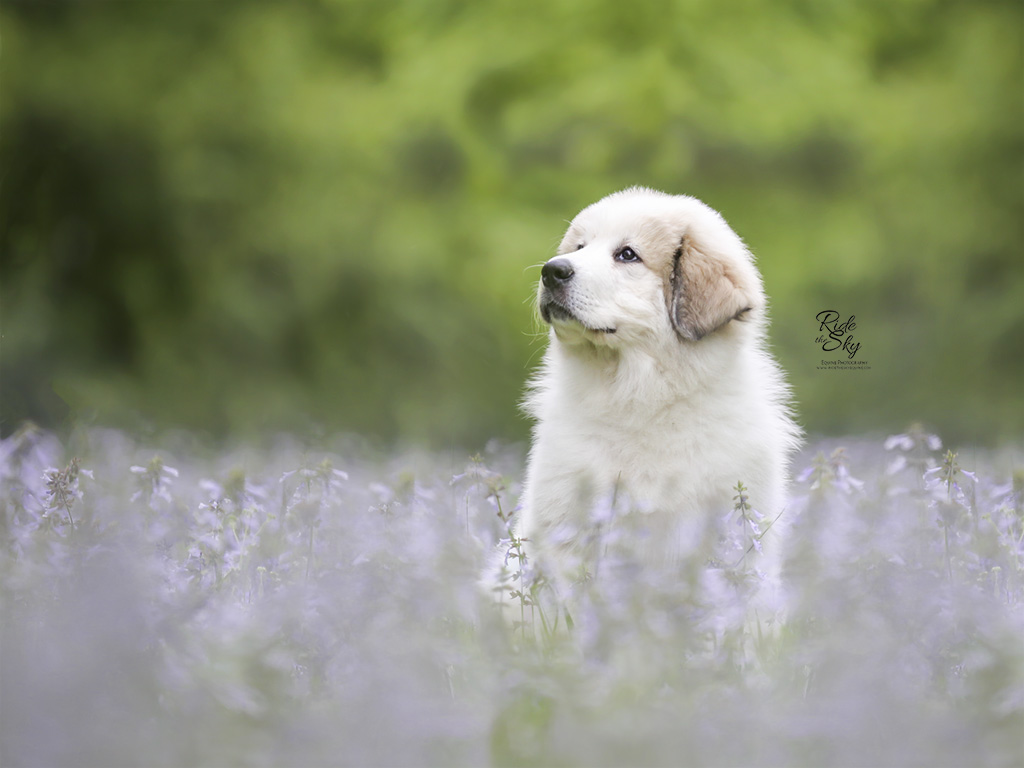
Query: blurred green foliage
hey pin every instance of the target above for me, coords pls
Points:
(241, 216)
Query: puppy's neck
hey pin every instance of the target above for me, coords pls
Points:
(632, 383)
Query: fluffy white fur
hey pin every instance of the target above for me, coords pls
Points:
(656, 385)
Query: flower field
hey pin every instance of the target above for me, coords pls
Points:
(176, 605)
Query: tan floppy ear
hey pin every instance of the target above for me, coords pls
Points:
(705, 293)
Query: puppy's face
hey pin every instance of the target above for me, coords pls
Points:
(641, 265)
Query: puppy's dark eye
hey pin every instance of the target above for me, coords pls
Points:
(626, 255)
(579, 247)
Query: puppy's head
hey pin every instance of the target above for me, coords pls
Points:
(642, 265)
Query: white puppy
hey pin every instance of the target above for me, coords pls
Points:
(656, 386)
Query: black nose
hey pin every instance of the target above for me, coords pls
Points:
(556, 272)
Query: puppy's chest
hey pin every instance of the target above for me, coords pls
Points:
(665, 467)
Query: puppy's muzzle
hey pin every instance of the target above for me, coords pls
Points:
(556, 274)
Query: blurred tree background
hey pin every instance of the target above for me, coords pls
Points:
(240, 216)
